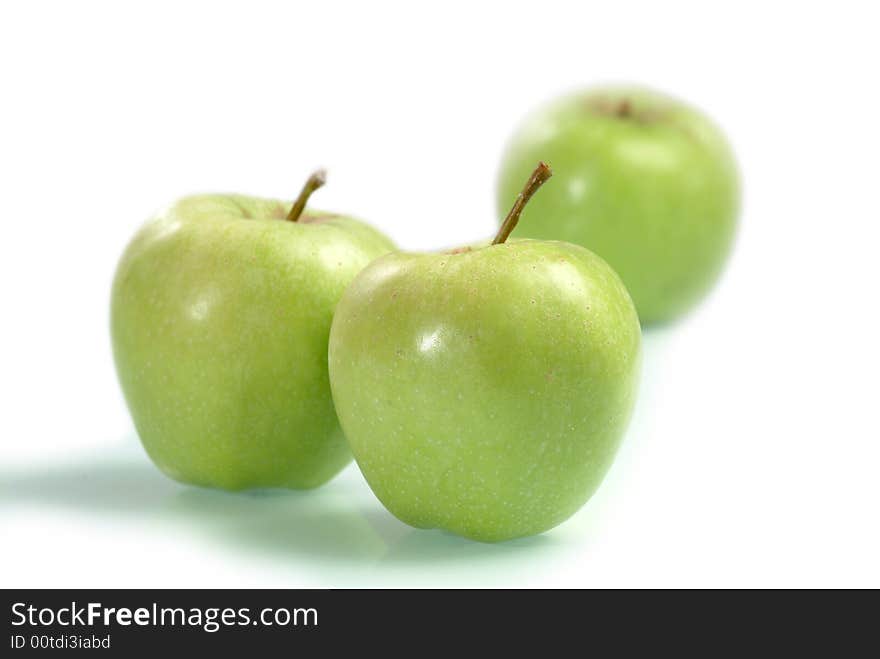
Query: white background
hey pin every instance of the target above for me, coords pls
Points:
(754, 456)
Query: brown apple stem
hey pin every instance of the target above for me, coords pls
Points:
(316, 180)
(536, 180)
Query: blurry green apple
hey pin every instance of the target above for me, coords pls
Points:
(220, 317)
(485, 391)
(645, 181)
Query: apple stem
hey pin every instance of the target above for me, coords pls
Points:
(316, 180)
(536, 180)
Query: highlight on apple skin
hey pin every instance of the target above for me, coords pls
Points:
(485, 391)
(220, 316)
(644, 180)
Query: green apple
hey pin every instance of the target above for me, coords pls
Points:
(220, 317)
(485, 391)
(645, 181)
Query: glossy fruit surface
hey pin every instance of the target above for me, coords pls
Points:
(485, 391)
(221, 312)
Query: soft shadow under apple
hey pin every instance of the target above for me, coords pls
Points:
(340, 523)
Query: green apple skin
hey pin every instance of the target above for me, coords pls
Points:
(641, 179)
(220, 318)
(485, 392)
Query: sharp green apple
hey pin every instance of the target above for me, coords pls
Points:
(485, 390)
(220, 316)
(643, 180)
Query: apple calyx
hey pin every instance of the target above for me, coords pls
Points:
(315, 181)
(536, 180)
(623, 108)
